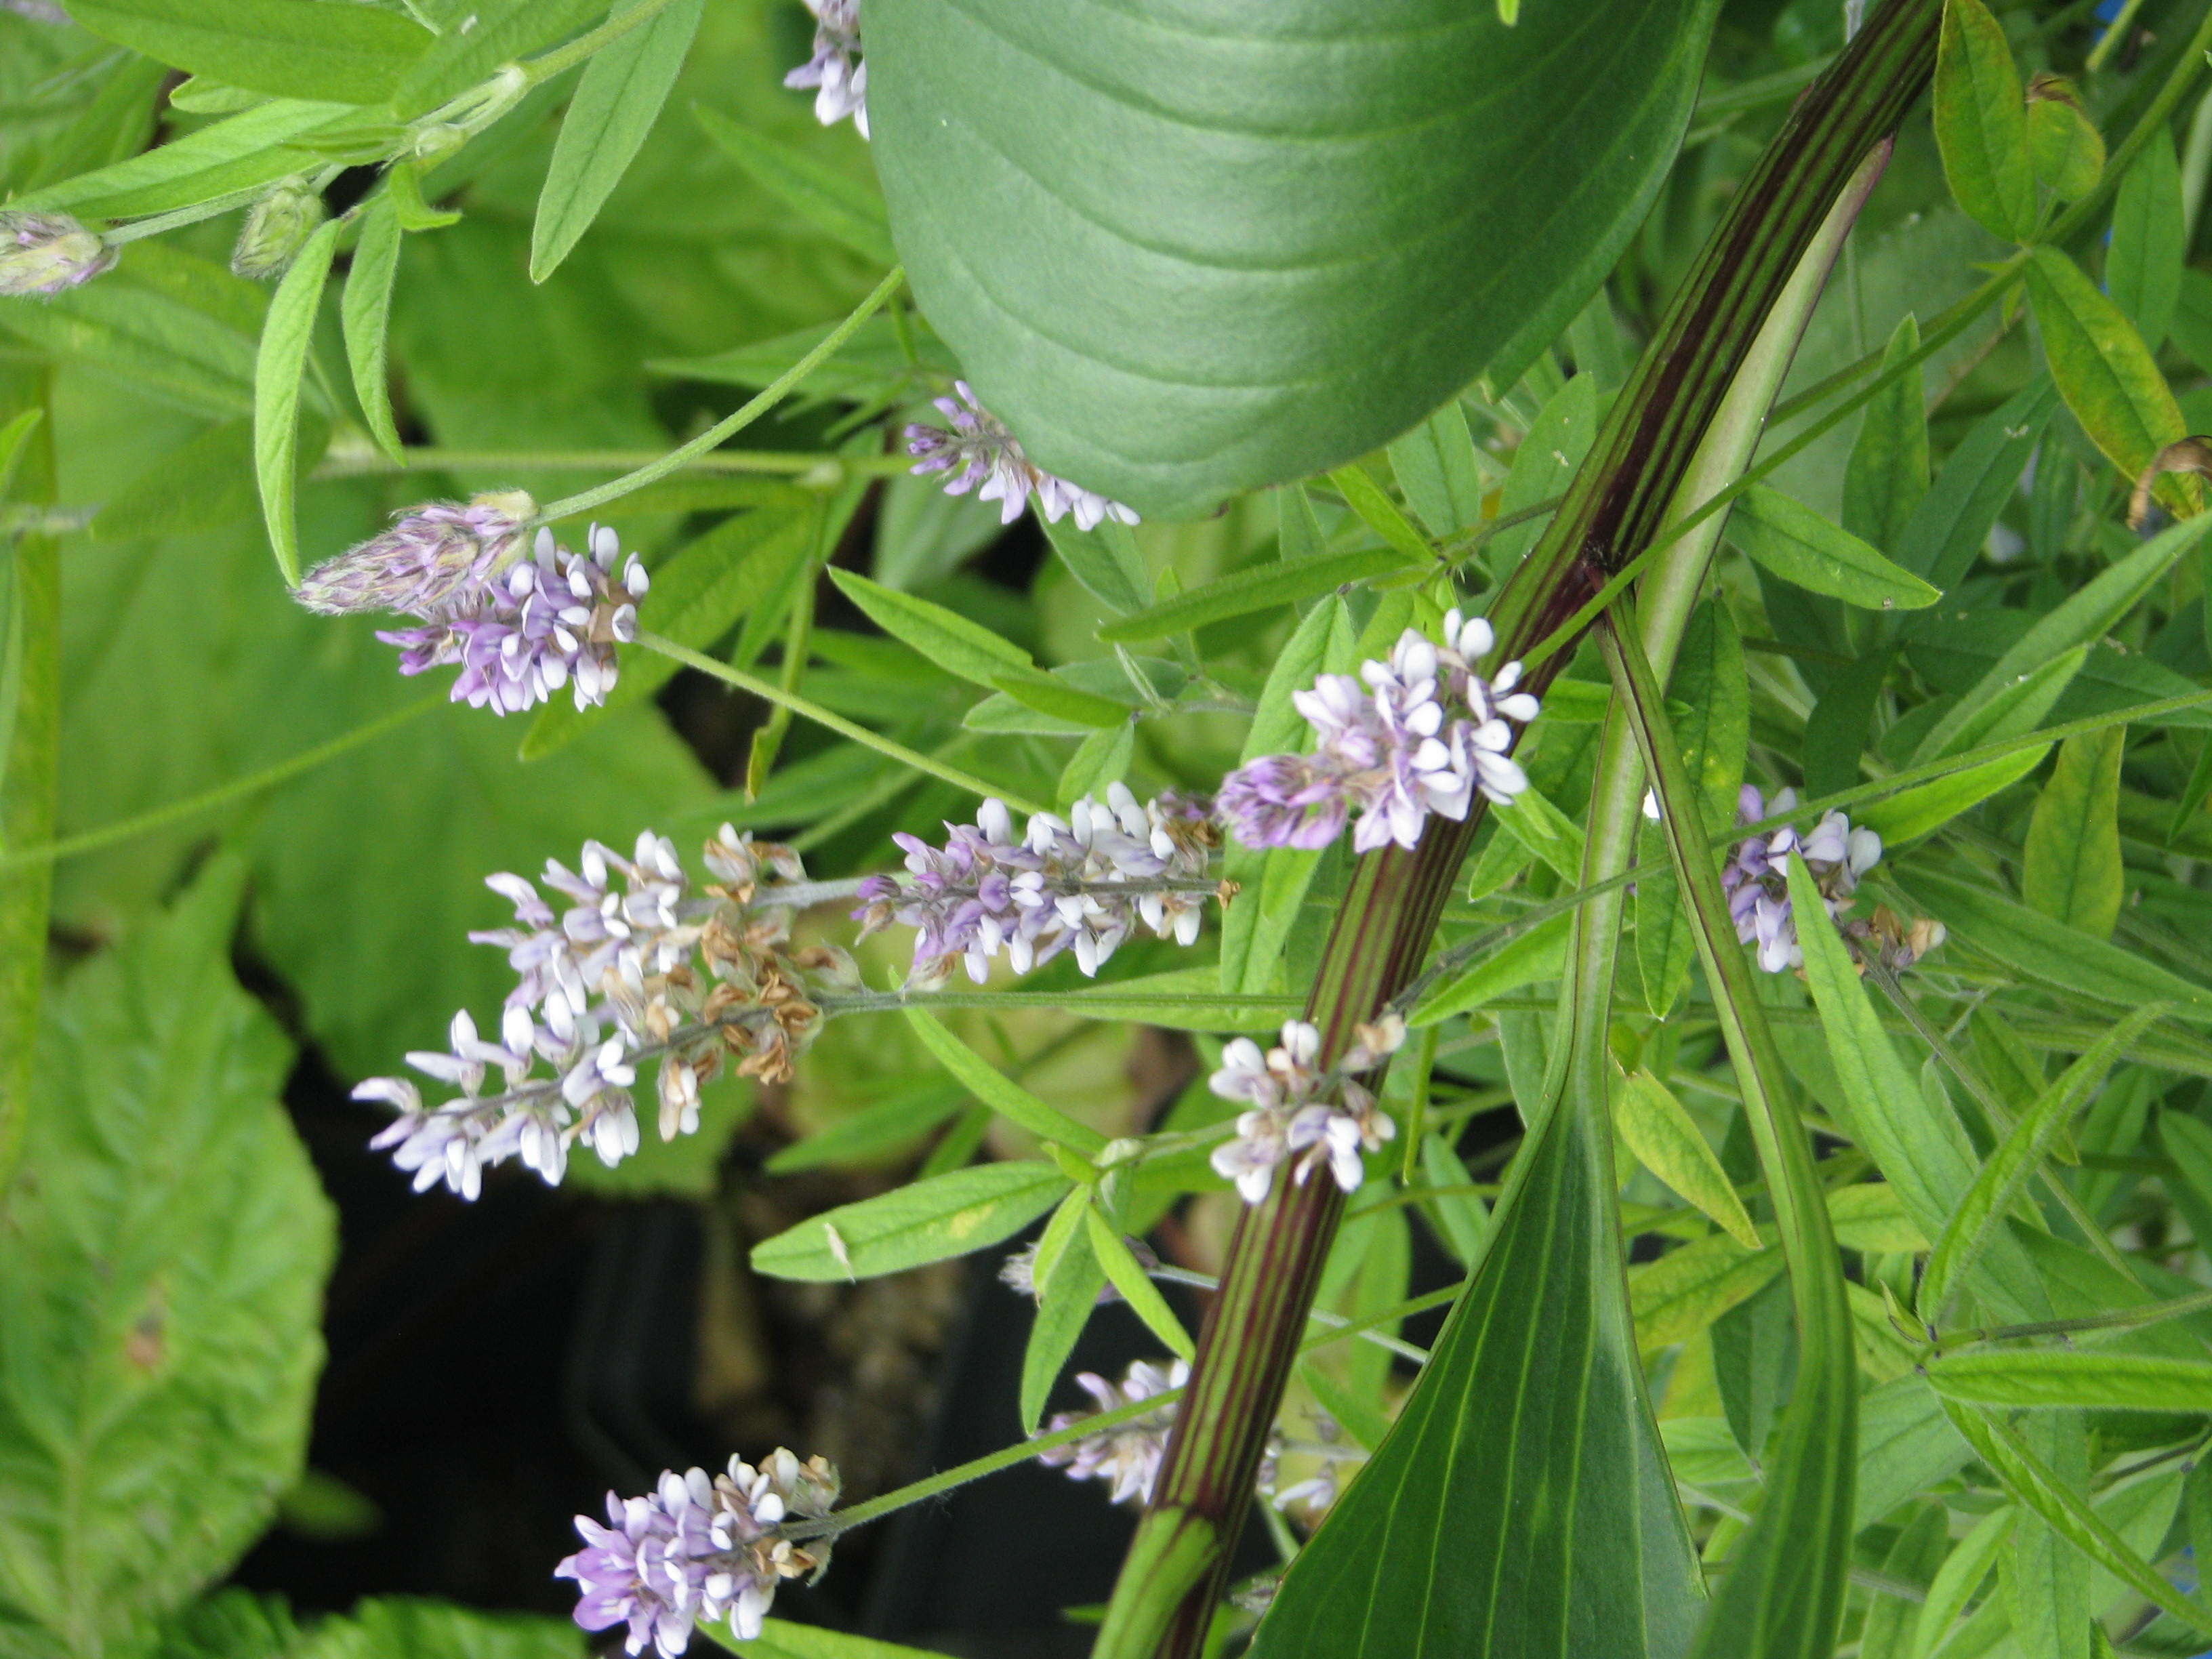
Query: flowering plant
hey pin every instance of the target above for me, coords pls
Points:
(1423, 780)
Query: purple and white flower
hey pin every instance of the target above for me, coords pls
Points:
(1084, 883)
(836, 70)
(1756, 880)
(48, 253)
(1127, 1456)
(1421, 732)
(695, 1550)
(1299, 1111)
(975, 448)
(432, 558)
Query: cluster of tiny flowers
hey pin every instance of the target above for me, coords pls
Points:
(1424, 734)
(619, 974)
(1757, 884)
(519, 628)
(836, 71)
(1126, 1455)
(47, 253)
(698, 1551)
(1295, 1110)
(1083, 884)
(976, 449)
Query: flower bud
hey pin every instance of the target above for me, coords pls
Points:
(277, 227)
(430, 558)
(45, 253)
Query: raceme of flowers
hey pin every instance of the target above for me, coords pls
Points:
(620, 974)
(976, 449)
(836, 70)
(1757, 884)
(47, 253)
(519, 628)
(1423, 734)
(695, 1550)
(1083, 883)
(1296, 1111)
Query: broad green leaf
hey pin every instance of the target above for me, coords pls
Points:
(2071, 869)
(1381, 514)
(1998, 1185)
(616, 102)
(1257, 587)
(161, 1289)
(2051, 953)
(247, 150)
(1906, 1445)
(1534, 957)
(2142, 263)
(2039, 1489)
(1667, 1141)
(1550, 451)
(999, 1091)
(948, 639)
(946, 1215)
(2053, 1377)
(2087, 615)
(1981, 123)
(402, 1627)
(2103, 370)
(831, 200)
(1105, 560)
(1143, 1297)
(497, 32)
(283, 359)
(366, 311)
(1797, 544)
(350, 54)
(1246, 256)
(1533, 1388)
(1945, 534)
(1886, 480)
(1435, 465)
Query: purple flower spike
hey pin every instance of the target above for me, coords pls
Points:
(974, 448)
(1756, 879)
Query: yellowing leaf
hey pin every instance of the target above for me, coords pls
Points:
(2104, 371)
(1667, 1141)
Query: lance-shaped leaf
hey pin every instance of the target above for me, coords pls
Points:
(1667, 1141)
(2104, 371)
(2059, 1378)
(945, 1215)
(1791, 541)
(1981, 123)
(278, 368)
(1256, 242)
(294, 48)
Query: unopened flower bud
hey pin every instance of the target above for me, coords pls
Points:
(45, 253)
(277, 227)
(439, 140)
(430, 557)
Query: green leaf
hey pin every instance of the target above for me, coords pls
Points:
(1981, 123)
(350, 54)
(1050, 694)
(1244, 259)
(1997, 709)
(496, 33)
(999, 1091)
(366, 311)
(1533, 1388)
(1463, 1219)
(2050, 953)
(1918, 1555)
(1381, 514)
(1961, 1575)
(780, 1638)
(1102, 758)
(2142, 263)
(283, 359)
(1886, 480)
(247, 150)
(1063, 1310)
(947, 1215)
(616, 102)
(2038, 1489)
(1257, 587)
(948, 639)
(1534, 957)
(1143, 1296)
(1911, 813)
(1685, 1290)
(1667, 1141)
(2053, 1377)
(1549, 451)
(2065, 150)
(161, 1287)
(1998, 1185)
(872, 1132)
(1797, 544)
(1945, 534)
(831, 200)
(1105, 561)
(2102, 368)
(1435, 465)
(402, 1627)
(2071, 869)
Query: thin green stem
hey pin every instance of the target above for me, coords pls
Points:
(807, 708)
(545, 67)
(599, 495)
(2179, 1307)
(821, 471)
(123, 830)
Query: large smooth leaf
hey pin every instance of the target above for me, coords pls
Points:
(1257, 241)
(350, 54)
(1529, 1421)
(161, 1285)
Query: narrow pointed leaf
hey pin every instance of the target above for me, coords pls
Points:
(283, 359)
(350, 54)
(2142, 263)
(2104, 372)
(1791, 541)
(2071, 867)
(928, 1221)
(2055, 1377)
(1667, 1141)
(1981, 123)
(832, 201)
(366, 312)
(999, 1091)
